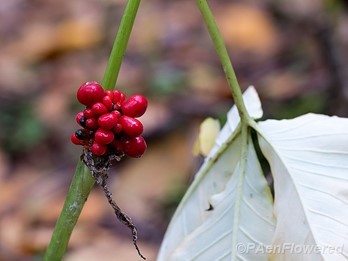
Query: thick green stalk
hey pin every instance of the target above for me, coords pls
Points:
(224, 58)
(83, 181)
(120, 45)
(80, 188)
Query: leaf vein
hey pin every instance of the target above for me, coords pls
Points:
(250, 236)
(283, 148)
(315, 163)
(326, 215)
(257, 212)
(319, 174)
(323, 191)
(334, 232)
(307, 137)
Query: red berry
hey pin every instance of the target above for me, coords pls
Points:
(107, 121)
(130, 126)
(119, 98)
(122, 98)
(75, 140)
(90, 93)
(92, 123)
(117, 113)
(134, 147)
(88, 113)
(103, 136)
(99, 108)
(117, 129)
(98, 149)
(135, 106)
(110, 94)
(107, 101)
(80, 119)
(117, 95)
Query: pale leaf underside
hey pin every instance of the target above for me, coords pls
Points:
(213, 240)
(309, 161)
(213, 186)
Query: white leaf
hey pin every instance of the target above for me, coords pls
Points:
(309, 161)
(241, 218)
(253, 106)
(209, 188)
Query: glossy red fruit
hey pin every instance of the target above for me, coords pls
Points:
(119, 98)
(117, 113)
(117, 95)
(75, 140)
(89, 113)
(98, 149)
(107, 121)
(117, 129)
(122, 97)
(107, 101)
(99, 108)
(110, 94)
(92, 123)
(134, 147)
(103, 136)
(135, 106)
(80, 119)
(90, 93)
(130, 126)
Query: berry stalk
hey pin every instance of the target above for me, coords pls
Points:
(224, 58)
(80, 188)
(83, 181)
(120, 45)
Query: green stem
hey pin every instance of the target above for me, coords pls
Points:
(224, 58)
(83, 181)
(80, 188)
(120, 45)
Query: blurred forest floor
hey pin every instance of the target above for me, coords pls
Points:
(293, 52)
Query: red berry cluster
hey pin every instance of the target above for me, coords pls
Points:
(109, 124)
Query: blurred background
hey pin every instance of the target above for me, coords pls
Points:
(293, 51)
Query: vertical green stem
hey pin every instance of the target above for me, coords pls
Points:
(83, 181)
(80, 188)
(224, 58)
(120, 45)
